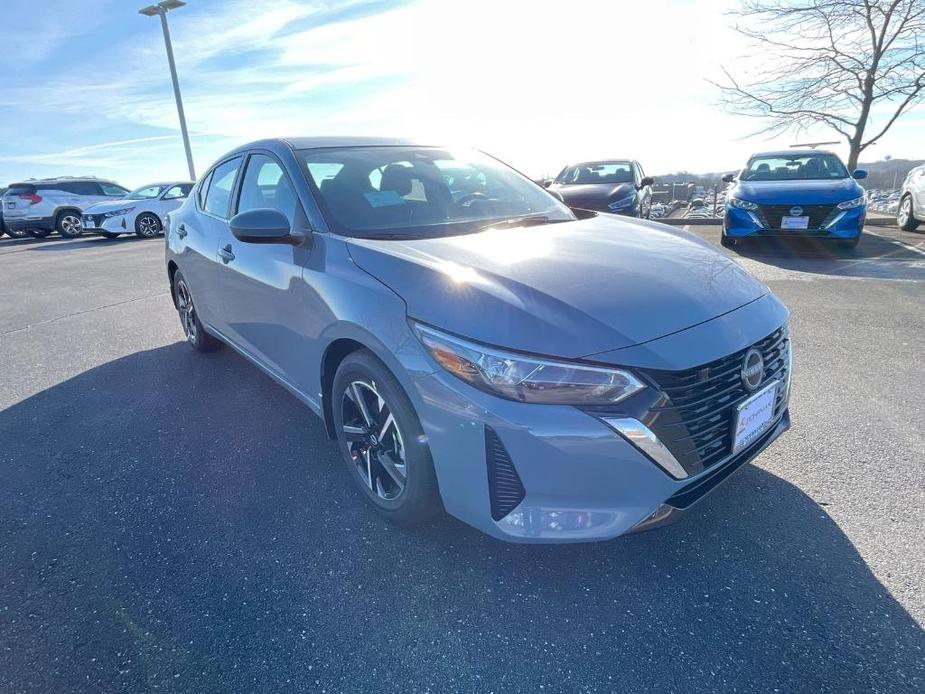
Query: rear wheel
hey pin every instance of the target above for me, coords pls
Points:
(381, 440)
(67, 224)
(195, 334)
(147, 225)
(905, 217)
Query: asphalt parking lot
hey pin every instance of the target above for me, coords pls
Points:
(177, 522)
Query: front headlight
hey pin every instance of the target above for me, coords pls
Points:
(743, 204)
(623, 202)
(851, 204)
(118, 213)
(526, 379)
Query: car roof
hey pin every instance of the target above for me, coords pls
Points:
(791, 153)
(164, 183)
(614, 160)
(297, 143)
(62, 179)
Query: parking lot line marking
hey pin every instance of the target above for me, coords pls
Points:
(918, 248)
(80, 313)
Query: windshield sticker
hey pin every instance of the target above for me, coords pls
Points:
(384, 198)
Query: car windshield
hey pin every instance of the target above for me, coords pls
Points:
(145, 192)
(400, 191)
(597, 172)
(797, 167)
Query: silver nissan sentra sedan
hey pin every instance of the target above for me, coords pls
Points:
(474, 345)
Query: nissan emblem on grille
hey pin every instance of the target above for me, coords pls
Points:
(752, 369)
(796, 211)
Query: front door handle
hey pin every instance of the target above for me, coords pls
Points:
(225, 254)
(181, 231)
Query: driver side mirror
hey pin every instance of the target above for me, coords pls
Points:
(263, 225)
(556, 194)
(546, 182)
(859, 174)
(729, 178)
(646, 181)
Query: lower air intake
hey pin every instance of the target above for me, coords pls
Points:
(504, 485)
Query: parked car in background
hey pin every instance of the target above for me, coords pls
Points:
(802, 193)
(141, 212)
(619, 186)
(475, 345)
(911, 210)
(43, 206)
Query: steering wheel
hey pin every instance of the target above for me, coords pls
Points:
(471, 197)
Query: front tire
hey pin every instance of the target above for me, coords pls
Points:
(147, 226)
(67, 224)
(195, 333)
(905, 217)
(382, 442)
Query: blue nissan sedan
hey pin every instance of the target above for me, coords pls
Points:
(805, 193)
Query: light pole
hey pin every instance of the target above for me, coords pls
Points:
(161, 9)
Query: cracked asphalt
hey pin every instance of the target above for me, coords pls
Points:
(175, 522)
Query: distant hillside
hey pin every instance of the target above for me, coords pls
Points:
(880, 174)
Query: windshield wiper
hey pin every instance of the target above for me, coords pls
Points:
(524, 221)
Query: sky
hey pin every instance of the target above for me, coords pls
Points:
(86, 89)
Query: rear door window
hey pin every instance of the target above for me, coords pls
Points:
(218, 197)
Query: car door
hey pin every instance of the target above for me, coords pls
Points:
(201, 230)
(918, 192)
(261, 286)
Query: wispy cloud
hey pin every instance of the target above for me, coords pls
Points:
(537, 83)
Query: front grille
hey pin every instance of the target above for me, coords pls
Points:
(504, 486)
(772, 214)
(695, 420)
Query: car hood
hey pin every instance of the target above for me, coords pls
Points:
(570, 289)
(111, 205)
(576, 195)
(787, 192)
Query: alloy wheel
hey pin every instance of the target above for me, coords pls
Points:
(905, 211)
(374, 440)
(148, 226)
(70, 225)
(187, 312)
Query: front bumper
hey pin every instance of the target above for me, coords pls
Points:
(111, 225)
(579, 479)
(842, 224)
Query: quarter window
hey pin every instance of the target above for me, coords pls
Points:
(202, 190)
(266, 185)
(218, 197)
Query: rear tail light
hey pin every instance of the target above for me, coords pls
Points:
(32, 198)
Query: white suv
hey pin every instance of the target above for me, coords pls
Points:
(54, 204)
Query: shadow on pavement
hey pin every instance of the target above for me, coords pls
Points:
(874, 257)
(178, 522)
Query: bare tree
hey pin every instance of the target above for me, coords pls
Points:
(855, 66)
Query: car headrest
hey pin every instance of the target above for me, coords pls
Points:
(396, 177)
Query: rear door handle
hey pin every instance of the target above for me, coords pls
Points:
(181, 231)
(225, 254)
